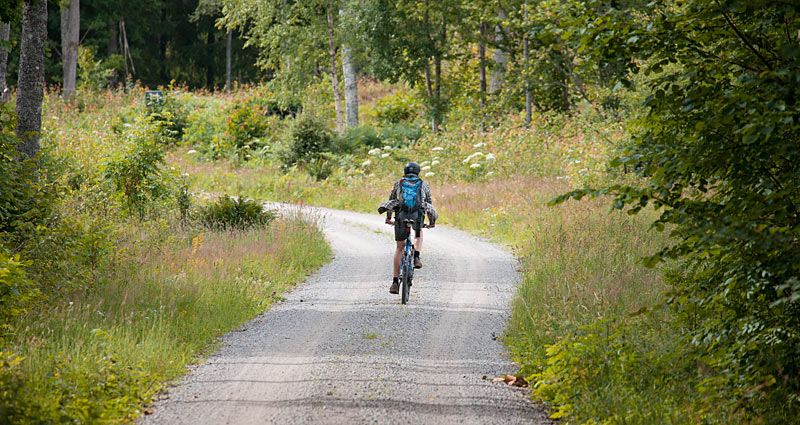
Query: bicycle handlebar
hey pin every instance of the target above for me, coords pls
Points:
(410, 223)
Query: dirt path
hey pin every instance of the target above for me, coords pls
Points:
(341, 349)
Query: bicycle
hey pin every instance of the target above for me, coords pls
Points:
(407, 263)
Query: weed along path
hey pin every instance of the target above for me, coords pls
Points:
(340, 349)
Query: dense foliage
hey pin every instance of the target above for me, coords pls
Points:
(719, 148)
(228, 213)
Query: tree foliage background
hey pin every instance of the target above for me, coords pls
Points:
(709, 91)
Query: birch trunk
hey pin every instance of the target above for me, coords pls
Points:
(334, 75)
(30, 87)
(482, 73)
(528, 95)
(350, 87)
(500, 59)
(5, 31)
(228, 53)
(70, 37)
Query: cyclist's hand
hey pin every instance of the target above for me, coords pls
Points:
(390, 222)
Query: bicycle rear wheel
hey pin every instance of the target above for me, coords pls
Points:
(405, 284)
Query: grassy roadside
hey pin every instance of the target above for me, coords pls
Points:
(97, 356)
(123, 302)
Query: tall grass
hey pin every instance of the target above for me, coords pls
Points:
(128, 302)
(97, 356)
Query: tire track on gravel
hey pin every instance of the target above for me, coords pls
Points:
(341, 349)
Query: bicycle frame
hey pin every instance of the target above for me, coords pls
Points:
(407, 265)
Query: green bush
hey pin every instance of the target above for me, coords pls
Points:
(171, 112)
(246, 125)
(228, 213)
(308, 139)
(137, 175)
(206, 124)
(401, 107)
(320, 168)
(16, 290)
(15, 402)
(401, 134)
(92, 74)
(362, 136)
(25, 199)
(719, 163)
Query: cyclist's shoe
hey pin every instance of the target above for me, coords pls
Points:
(395, 288)
(417, 263)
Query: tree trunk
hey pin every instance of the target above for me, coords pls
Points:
(337, 98)
(209, 59)
(350, 87)
(162, 47)
(112, 46)
(228, 53)
(482, 68)
(30, 87)
(429, 83)
(500, 59)
(528, 96)
(70, 37)
(5, 31)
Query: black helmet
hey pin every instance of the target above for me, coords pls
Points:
(411, 168)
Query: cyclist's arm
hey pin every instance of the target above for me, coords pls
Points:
(392, 197)
(428, 202)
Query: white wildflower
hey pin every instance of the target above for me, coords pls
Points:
(490, 173)
(474, 155)
(490, 156)
(374, 151)
(426, 168)
(475, 165)
(429, 174)
(191, 151)
(479, 145)
(438, 148)
(424, 163)
(366, 163)
(387, 148)
(384, 155)
(435, 162)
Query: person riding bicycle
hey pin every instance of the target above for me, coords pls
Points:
(410, 198)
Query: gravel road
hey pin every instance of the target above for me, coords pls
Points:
(340, 349)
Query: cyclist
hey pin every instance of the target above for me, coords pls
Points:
(408, 190)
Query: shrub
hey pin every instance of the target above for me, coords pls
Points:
(403, 106)
(357, 137)
(24, 202)
(170, 111)
(245, 126)
(228, 213)
(16, 290)
(308, 140)
(320, 168)
(92, 74)
(279, 100)
(16, 403)
(401, 134)
(137, 175)
(205, 129)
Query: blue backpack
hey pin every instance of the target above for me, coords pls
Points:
(410, 188)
